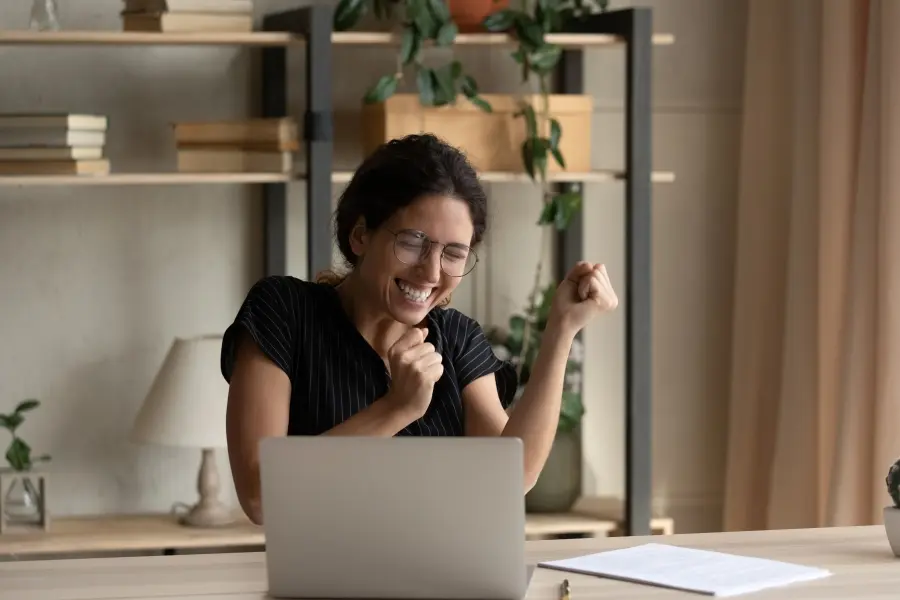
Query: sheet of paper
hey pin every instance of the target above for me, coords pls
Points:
(700, 571)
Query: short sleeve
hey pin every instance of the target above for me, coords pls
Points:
(475, 357)
(269, 315)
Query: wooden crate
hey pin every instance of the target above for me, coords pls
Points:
(493, 140)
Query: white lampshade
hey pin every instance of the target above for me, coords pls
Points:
(186, 403)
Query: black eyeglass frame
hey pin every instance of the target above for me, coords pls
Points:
(428, 246)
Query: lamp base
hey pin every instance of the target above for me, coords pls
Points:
(209, 511)
(210, 515)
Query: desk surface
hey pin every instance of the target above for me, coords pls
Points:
(859, 557)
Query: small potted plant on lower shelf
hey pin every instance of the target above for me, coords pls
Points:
(559, 485)
(892, 512)
(23, 488)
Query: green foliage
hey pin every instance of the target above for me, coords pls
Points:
(18, 454)
(537, 59)
(893, 482)
(520, 343)
(422, 22)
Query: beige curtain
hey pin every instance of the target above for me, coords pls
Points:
(814, 408)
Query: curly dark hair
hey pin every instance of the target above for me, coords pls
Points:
(399, 172)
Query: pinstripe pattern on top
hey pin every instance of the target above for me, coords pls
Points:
(335, 373)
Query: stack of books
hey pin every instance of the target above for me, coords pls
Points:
(53, 144)
(171, 16)
(244, 146)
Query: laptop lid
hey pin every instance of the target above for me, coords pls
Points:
(403, 517)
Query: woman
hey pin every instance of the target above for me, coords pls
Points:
(376, 352)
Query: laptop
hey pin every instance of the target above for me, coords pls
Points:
(430, 518)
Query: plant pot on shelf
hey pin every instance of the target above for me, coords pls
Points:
(892, 528)
(492, 141)
(23, 500)
(469, 14)
(559, 485)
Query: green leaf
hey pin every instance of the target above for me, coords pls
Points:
(410, 45)
(382, 90)
(548, 214)
(439, 9)
(470, 90)
(499, 21)
(348, 13)
(419, 12)
(567, 204)
(481, 103)
(558, 157)
(516, 334)
(29, 404)
(445, 83)
(19, 455)
(555, 133)
(384, 9)
(571, 411)
(545, 58)
(447, 34)
(427, 85)
(13, 421)
(527, 111)
(530, 34)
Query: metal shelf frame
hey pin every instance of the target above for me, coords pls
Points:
(635, 27)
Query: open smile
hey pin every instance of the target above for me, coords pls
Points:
(419, 295)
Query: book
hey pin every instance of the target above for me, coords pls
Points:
(279, 134)
(688, 569)
(188, 6)
(232, 160)
(56, 167)
(186, 22)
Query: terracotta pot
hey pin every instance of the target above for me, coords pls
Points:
(468, 14)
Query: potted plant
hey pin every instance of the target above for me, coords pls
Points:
(421, 22)
(892, 512)
(559, 485)
(23, 502)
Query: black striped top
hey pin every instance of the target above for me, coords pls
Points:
(334, 372)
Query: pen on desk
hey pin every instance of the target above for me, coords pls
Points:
(564, 590)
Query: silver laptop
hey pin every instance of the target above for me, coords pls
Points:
(405, 517)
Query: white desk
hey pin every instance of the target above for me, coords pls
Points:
(863, 566)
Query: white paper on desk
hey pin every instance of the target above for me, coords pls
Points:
(692, 570)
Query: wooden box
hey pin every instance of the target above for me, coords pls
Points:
(492, 141)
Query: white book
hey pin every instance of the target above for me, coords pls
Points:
(688, 569)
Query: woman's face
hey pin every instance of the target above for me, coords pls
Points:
(408, 264)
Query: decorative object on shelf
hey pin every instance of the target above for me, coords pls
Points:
(185, 408)
(422, 22)
(53, 144)
(492, 141)
(44, 15)
(23, 489)
(241, 146)
(892, 512)
(469, 15)
(185, 16)
(559, 484)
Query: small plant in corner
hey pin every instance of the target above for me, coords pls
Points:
(422, 22)
(893, 483)
(18, 454)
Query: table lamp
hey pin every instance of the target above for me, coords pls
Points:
(186, 408)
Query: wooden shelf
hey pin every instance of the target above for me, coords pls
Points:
(140, 38)
(255, 178)
(145, 179)
(264, 38)
(598, 176)
(566, 40)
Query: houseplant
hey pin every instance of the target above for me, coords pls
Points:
(422, 22)
(559, 484)
(892, 512)
(23, 501)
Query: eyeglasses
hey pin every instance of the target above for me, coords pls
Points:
(412, 247)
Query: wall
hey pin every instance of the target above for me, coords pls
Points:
(98, 280)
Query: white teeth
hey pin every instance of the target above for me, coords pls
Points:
(412, 293)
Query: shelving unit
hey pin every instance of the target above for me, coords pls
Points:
(310, 29)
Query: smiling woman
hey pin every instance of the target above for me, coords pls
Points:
(377, 352)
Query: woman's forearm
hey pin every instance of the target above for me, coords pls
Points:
(379, 419)
(536, 415)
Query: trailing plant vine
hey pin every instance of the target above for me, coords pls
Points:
(18, 454)
(537, 60)
(422, 22)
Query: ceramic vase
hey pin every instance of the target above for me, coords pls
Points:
(892, 528)
(469, 14)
